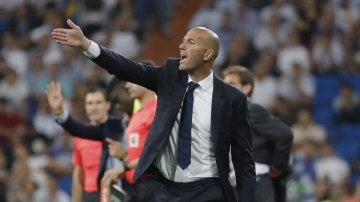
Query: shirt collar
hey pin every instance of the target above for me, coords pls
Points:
(206, 82)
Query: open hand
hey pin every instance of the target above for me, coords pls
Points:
(71, 37)
(55, 97)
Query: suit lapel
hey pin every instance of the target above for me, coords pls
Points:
(216, 109)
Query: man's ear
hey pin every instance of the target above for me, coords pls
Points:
(208, 55)
(247, 88)
(108, 105)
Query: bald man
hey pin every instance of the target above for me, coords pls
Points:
(198, 119)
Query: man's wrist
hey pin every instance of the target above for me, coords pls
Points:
(61, 118)
(58, 111)
(93, 50)
(86, 44)
(126, 167)
(123, 156)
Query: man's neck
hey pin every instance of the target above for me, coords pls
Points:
(199, 75)
(96, 122)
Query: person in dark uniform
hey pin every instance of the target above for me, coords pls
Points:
(271, 139)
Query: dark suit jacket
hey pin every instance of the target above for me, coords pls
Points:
(229, 118)
(271, 138)
(113, 128)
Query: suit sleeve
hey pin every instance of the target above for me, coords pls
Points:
(128, 70)
(241, 151)
(273, 129)
(99, 132)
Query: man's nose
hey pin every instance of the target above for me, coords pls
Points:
(127, 85)
(181, 46)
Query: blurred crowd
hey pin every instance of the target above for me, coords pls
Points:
(35, 153)
(287, 44)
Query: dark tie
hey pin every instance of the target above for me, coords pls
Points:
(184, 143)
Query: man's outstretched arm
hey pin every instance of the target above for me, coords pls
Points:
(76, 128)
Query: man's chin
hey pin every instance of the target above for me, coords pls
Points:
(182, 67)
(93, 117)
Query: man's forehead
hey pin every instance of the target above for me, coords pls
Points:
(204, 35)
(94, 95)
(194, 37)
(196, 32)
(233, 75)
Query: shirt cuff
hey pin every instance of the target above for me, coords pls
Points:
(93, 51)
(61, 118)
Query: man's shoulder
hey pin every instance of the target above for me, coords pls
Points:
(114, 118)
(256, 106)
(173, 59)
(258, 112)
(171, 69)
(171, 62)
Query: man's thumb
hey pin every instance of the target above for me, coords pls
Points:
(71, 24)
(109, 140)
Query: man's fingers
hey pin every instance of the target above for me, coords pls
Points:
(110, 141)
(51, 86)
(59, 31)
(57, 87)
(53, 89)
(112, 175)
(71, 24)
(59, 34)
(108, 175)
(60, 41)
(105, 177)
(48, 89)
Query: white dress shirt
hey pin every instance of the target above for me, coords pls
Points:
(93, 51)
(203, 164)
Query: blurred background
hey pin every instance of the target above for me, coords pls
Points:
(305, 56)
